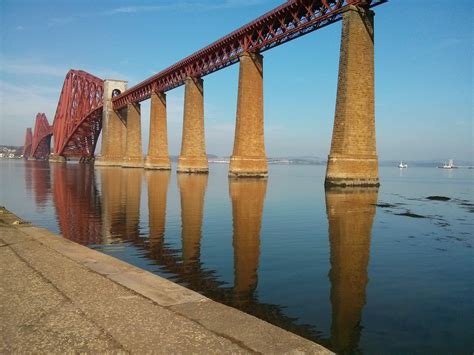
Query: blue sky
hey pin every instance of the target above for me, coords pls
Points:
(423, 57)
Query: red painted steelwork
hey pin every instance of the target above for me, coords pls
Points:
(28, 141)
(288, 21)
(41, 143)
(78, 118)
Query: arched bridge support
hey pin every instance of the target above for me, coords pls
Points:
(158, 156)
(248, 157)
(193, 157)
(353, 157)
(114, 131)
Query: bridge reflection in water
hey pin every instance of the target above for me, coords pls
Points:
(110, 215)
(38, 181)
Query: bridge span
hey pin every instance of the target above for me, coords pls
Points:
(88, 104)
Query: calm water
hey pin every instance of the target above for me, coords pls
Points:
(368, 271)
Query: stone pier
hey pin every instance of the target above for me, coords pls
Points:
(133, 153)
(114, 130)
(57, 159)
(353, 159)
(248, 157)
(158, 156)
(193, 157)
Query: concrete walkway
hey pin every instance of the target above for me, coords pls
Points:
(57, 296)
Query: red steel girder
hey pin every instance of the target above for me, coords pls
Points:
(288, 21)
(41, 142)
(78, 118)
(28, 141)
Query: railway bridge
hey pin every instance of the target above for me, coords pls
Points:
(89, 104)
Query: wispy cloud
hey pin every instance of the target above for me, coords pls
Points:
(61, 20)
(19, 103)
(16, 67)
(187, 6)
(171, 6)
(19, 28)
(140, 8)
(175, 6)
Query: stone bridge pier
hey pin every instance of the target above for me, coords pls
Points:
(193, 158)
(353, 158)
(158, 156)
(248, 157)
(133, 151)
(114, 130)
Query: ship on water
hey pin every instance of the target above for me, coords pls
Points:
(448, 165)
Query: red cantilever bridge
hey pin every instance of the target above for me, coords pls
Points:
(80, 114)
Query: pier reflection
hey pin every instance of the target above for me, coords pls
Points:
(192, 188)
(38, 179)
(77, 203)
(132, 186)
(350, 215)
(113, 219)
(112, 183)
(158, 182)
(248, 196)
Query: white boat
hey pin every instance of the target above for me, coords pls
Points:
(448, 165)
(402, 166)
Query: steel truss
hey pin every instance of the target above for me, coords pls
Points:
(288, 21)
(28, 142)
(78, 118)
(41, 142)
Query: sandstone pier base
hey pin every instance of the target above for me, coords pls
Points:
(57, 159)
(353, 158)
(248, 157)
(158, 156)
(114, 131)
(133, 153)
(193, 157)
